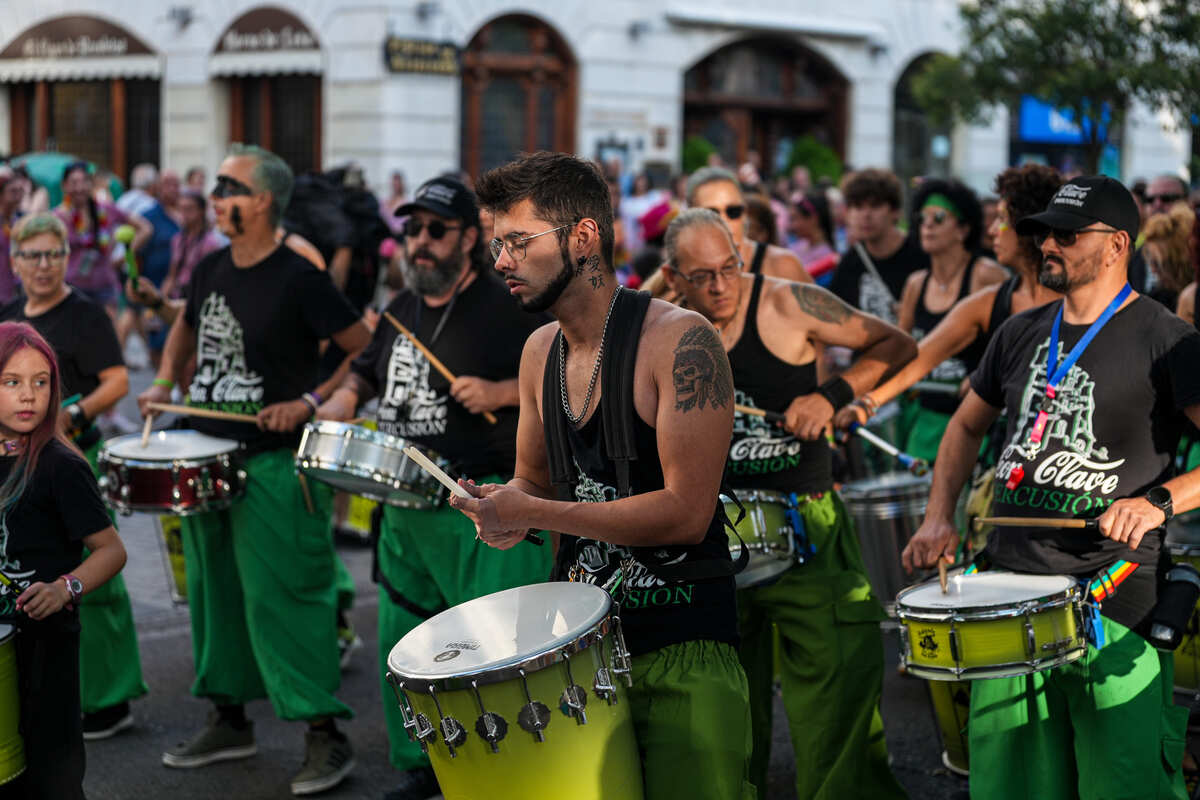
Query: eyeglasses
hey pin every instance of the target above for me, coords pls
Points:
(701, 278)
(1164, 199)
(230, 187)
(936, 218)
(1066, 238)
(437, 229)
(729, 212)
(516, 246)
(36, 256)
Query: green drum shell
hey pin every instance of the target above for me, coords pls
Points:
(765, 532)
(12, 748)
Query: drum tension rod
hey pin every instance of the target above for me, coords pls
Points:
(490, 726)
(574, 696)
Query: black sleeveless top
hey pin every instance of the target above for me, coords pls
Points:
(760, 254)
(953, 369)
(654, 612)
(762, 456)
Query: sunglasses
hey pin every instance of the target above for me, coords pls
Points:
(936, 218)
(730, 212)
(1066, 238)
(1166, 199)
(437, 228)
(230, 187)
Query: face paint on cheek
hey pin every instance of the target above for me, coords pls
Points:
(235, 216)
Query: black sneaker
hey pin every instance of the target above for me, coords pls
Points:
(415, 784)
(106, 722)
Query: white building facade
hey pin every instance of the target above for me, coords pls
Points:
(434, 85)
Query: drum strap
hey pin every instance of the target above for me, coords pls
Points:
(378, 577)
(1104, 585)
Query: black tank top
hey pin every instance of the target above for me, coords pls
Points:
(953, 369)
(763, 456)
(654, 613)
(756, 262)
(1001, 306)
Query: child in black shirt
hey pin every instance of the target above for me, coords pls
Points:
(50, 507)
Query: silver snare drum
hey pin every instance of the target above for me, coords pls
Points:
(366, 462)
(183, 472)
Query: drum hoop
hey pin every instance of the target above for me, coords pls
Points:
(1183, 548)
(760, 496)
(305, 464)
(1072, 594)
(178, 509)
(1009, 669)
(327, 427)
(904, 491)
(536, 662)
(105, 457)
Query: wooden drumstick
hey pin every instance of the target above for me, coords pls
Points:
(942, 575)
(203, 412)
(434, 360)
(1036, 522)
(308, 503)
(146, 430)
(773, 417)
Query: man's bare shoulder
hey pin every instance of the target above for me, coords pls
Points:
(537, 346)
(783, 263)
(666, 322)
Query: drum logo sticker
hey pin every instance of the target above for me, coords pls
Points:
(927, 641)
(465, 644)
(446, 655)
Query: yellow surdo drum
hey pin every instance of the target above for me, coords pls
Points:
(990, 625)
(517, 695)
(12, 749)
(1183, 543)
(766, 534)
(951, 707)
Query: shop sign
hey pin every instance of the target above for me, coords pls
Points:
(75, 36)
(419, 55)
(266, 30)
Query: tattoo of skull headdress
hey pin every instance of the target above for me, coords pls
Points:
(701, 371)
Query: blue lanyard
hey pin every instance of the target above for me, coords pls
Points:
(1054, 376)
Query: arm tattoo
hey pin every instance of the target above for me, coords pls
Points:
(818, 303)
(701, 371)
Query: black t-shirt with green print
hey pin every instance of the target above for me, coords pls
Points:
(1112, 432)
(257, 332)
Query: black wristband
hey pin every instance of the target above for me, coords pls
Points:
(78, 416)
(836, 391)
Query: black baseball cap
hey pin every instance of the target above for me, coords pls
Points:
(446, 197)
(1084, 201)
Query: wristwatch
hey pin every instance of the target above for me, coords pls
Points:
(78, 416)
(1160, 498)
(74, 587)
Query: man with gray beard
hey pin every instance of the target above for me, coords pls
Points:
(1096, 388)
(430, 560)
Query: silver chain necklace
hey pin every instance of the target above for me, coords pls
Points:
(562, 367)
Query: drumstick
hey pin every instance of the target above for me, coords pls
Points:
(146, 430)
(308, 503)
(437, 364)
(203, 412)
(1036, 522)
(7, 581)
(445, 480)
(942, 576)
(918, 466)
(770, 416)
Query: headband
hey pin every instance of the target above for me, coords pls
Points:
(941, 201)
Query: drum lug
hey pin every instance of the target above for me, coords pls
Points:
(1059, 646)
(417, 725)
(533, 716)
(453, 732)
(956, 649)
(490, 726)
(574, 698)
(904, 645)
(1030, 638)
(622, 665)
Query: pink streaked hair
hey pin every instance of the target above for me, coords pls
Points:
(14, 337)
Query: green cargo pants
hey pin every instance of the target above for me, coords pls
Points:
(262, 595)
(110, 667)
(433, 560)
(1103, 727)
(830, 664)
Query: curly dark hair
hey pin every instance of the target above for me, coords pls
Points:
(1025, 191)
(872, 186)
(970, 211)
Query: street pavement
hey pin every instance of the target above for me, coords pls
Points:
(129, 766)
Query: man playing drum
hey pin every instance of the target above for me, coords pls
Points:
(430, 560)
(771, 329)
(261, 574)
(1093, 424)
(636, 460)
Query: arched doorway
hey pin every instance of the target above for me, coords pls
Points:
(519, 89)
(918, 147)
(763, 94)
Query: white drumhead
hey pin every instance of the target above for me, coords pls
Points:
(498, 630)
(984, 589)
(169, 445)
(887, 485)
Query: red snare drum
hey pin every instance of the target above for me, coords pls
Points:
(183, 472)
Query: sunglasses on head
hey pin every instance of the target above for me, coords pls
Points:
(437, 229)
(730, 212)
(1066, 238)
(230, 187)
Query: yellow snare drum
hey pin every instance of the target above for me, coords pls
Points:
(516, 695)
(990, 625)
(766, 533)
(951, 708)
(1185, 549)
(12, 749)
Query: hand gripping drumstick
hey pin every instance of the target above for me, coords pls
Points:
(189, 411)
(1037, 522)
(434, 360)
(445, 480)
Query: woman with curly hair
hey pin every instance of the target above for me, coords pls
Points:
(970, 323)
(1167, 250)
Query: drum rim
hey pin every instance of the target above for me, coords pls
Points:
(974, 613)
(759, 495)
(178, 509)
(1009, 669)
(853, 491)
(106, 454)
(306, 463)
(329, 427)
(779, 566)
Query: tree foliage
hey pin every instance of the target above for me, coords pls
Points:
(1093, 57)
(821, 160)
